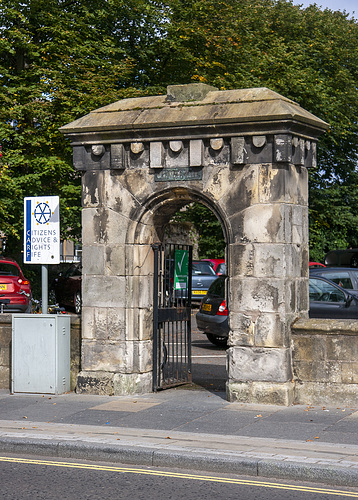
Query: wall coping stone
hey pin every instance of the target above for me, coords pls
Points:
(319, 326)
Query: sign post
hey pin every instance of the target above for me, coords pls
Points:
(42, 236)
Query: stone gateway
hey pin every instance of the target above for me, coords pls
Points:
(244, 154)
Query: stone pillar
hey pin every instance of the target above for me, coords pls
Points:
(268, 271)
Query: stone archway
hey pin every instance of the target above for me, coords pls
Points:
(244, 153)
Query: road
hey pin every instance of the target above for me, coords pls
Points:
(208, 360)
(45, 479)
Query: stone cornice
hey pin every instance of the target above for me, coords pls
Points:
(217, 113)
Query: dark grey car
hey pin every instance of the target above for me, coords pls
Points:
(328, 300)
(212, 317)
(202, 277)
(346, 277)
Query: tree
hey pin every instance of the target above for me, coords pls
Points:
(61, 59)
(58, 61)
(308, 55)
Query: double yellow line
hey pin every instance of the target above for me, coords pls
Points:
(178, 475)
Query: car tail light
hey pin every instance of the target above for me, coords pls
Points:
(222, 310)
(23, 282)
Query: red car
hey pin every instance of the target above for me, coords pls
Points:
(15, 290)
(215, 263)
(67, 288)
(315, 264)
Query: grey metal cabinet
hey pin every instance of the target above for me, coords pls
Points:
(40, 353)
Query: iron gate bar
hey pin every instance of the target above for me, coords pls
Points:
(171, 320)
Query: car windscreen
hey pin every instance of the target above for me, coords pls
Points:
(321, 291)
(7, 269)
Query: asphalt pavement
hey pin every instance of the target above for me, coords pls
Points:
(191, 427)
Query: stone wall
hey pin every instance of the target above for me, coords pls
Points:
(325, 361)
(5, 350)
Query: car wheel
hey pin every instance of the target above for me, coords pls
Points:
(78, 303)
(215, 339)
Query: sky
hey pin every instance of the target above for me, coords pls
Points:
(348, 5)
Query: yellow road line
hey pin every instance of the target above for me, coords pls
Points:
(215, 479)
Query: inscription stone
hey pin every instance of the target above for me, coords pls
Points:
(178, 174)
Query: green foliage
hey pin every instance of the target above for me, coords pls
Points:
(58, 61)
(61, 59)
(211, 239)
(308, 55)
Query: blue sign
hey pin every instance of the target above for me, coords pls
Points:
(42, 230)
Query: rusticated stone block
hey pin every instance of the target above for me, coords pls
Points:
(100, 383)
(139, 259)
(242, 328)
(132, 383)
(115, 263)
(139, 291)
(93, 189)
(259, 364)
(244, 190)
(109, 291)
(261, 392)
(342, 348)
(142, 356)
(242, 260)
(263, 224)
(139, 324)
(125, 191)
(258, 294)
(107, 356)
(308, 348)
(93, 259)
(326, 393)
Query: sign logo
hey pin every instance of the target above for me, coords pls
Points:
(42, 213)
(42, 230)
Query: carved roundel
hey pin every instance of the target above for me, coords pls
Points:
(176, 146)
(98, 149)
(137, 147)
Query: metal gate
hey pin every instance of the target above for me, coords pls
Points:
(172, 315)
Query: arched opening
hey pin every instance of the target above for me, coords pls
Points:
(163, 212)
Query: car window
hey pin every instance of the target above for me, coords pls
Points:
(217, 288)
(341, 278)
(320, 291)
(7, 269)
(203, 268)
(220, 269)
